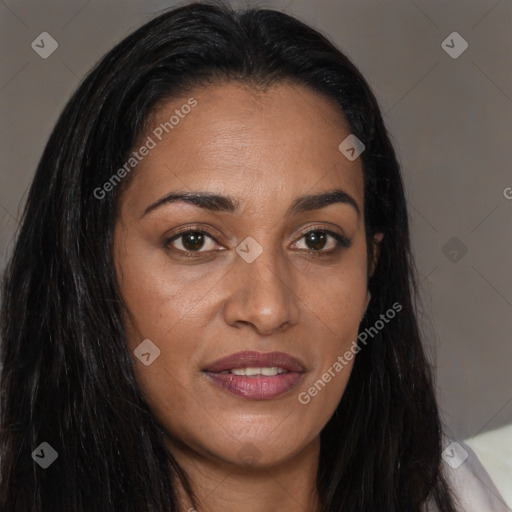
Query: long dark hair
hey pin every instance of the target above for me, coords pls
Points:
(67, 376)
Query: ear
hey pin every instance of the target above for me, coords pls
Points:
(375, 253)
(377, 239)
(368, 298)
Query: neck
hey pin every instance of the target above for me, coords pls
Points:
(218, 485)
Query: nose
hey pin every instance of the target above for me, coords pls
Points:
(262, 294)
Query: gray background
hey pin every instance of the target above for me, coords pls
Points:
(450, 119)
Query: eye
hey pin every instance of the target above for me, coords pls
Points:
(191, 241)
(323, 241)
(318, 241)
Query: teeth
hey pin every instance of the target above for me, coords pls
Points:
(252, 372)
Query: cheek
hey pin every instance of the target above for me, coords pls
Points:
(337, 303)
(167, 306)
(172, 313)
(338, 296)
(169, 310)
(164, 301)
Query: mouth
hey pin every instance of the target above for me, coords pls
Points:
(256, 375)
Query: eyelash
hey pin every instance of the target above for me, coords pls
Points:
(342, 242)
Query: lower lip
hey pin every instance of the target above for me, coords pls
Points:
(256, 388)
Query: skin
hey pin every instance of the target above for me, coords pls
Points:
(264, 149)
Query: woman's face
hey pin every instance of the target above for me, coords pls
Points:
(255, 282)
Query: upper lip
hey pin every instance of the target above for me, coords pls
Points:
(251, 359)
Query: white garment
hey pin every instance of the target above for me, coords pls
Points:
(472, 485)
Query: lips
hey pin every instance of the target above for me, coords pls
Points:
(251, 359)
(256, 387)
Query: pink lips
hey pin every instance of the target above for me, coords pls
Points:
(258, 387)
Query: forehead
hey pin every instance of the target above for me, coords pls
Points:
(268, 145)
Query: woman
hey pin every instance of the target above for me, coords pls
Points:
(210, 305)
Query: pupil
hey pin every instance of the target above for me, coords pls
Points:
(193, 241)
(316, 240)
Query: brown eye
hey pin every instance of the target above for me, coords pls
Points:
(316, 240)
(322, 241)
(191, 241)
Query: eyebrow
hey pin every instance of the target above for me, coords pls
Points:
(219, 203)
